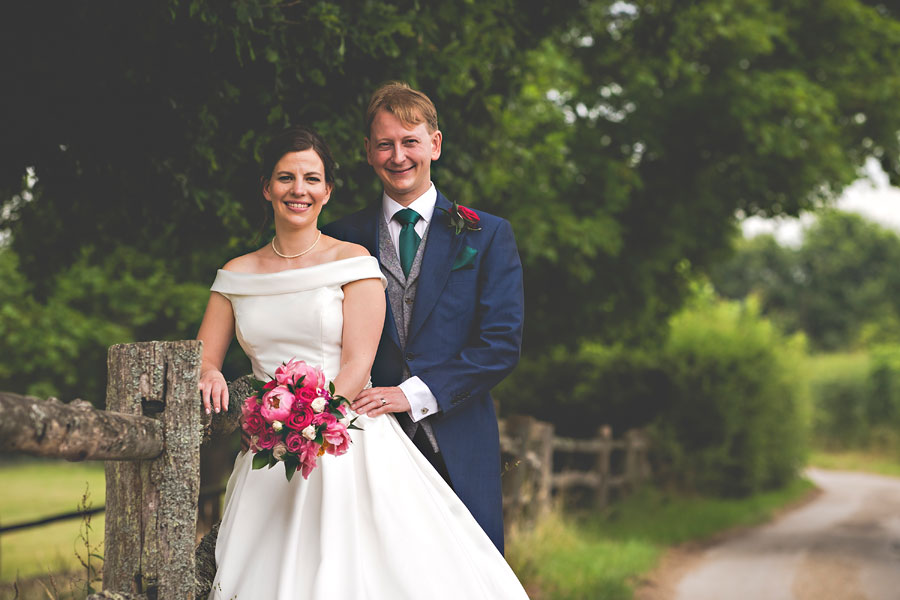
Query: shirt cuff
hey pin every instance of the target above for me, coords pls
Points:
(422, 402)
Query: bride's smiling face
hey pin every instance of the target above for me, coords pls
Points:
(297, 188)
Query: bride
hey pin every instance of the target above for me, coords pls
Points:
(378, 522)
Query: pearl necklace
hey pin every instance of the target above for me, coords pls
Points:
(275, 250)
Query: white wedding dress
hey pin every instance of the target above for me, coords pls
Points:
(375, 523)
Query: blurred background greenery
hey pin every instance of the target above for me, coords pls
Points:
(625, 141)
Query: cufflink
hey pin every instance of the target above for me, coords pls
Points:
(424, 411)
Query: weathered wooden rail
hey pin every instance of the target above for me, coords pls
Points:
(150, 436)
(533, 478)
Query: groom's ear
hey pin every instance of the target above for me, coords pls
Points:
(366, 146)
(436, 139)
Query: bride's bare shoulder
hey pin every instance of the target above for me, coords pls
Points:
(339, 250)
(246, 263)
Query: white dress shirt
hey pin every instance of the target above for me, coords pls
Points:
(421, 401)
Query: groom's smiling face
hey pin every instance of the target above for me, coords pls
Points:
(401, 155)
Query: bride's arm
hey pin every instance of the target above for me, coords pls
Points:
(363, 319)
(216, 332)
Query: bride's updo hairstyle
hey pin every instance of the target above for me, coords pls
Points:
(293, 139)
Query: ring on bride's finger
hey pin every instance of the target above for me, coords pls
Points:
(383, 401)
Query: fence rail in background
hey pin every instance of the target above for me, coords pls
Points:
(531, 480)
(150, 437)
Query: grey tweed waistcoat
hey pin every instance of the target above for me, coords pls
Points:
(401, 292)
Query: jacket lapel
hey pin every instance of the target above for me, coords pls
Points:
(440, 249)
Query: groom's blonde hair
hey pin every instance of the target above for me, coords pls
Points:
(410, 106)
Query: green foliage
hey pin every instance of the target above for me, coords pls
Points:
(724, 394)
(840, 286)
(837, 386)
(858, 405)
(736, 421)
(57, 346)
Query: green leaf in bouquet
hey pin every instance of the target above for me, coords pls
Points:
(290, 466)
(331, 387)
(256, 385)
(261, 459)
(272, 460)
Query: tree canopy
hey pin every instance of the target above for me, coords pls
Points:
(619, 138)
(840, 287)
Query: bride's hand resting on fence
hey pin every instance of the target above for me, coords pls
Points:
(213, 391)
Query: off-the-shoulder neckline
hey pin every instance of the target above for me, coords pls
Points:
(295, 269)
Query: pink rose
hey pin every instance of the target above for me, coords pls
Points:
(292, 372)
(276, 404)
(253, 423)
(339, 439)
(301, 416)
(294, 442)
(305, 395)
(267, 439)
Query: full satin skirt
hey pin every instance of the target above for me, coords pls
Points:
(375, 523)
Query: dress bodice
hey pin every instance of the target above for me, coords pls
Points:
(297, 313)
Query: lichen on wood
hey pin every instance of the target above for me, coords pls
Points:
(151, 505)
(75, 431)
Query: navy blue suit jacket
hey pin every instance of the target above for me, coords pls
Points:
(464, 337)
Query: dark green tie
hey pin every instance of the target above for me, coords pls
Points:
(409, 239)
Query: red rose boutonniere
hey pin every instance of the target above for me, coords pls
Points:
(461, 218)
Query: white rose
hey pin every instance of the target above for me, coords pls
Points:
(279, 450)
(277, 425)
(318, 405)
(309, 433)
(345, 420)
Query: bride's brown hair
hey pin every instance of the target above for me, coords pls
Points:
(293, 139)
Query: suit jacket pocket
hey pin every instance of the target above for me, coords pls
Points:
(465, 259)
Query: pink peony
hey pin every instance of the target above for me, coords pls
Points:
(301, 416)
(267, 439)
(276, 404)
(338, 438)
(294, 370)
(253, 423)
(250, 405)
(325, 418)
(294, 442)
(308, 456)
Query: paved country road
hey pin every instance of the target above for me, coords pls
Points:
(843, 545)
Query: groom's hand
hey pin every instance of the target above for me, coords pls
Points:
(380, 400)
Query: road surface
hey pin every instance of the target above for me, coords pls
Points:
(843, 545)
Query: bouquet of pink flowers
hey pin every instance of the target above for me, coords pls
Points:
(294, 419)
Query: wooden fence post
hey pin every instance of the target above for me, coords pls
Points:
(151, 505)
(603, 466)
(527, 482)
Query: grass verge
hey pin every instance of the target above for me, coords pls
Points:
(601, 556)
(880, 463)
(38, 488)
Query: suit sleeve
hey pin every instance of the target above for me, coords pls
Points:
(493, 348)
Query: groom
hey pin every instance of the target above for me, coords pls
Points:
(455, 304)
